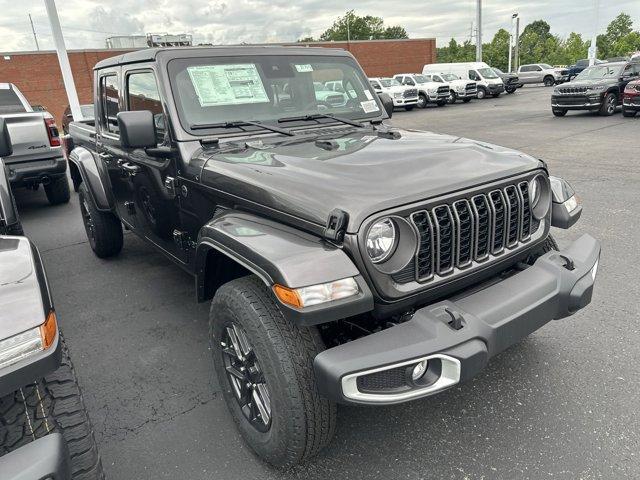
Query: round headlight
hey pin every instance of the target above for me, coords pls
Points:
(381, 239)
(539, 197)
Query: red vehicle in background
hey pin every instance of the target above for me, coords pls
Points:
(631, 99)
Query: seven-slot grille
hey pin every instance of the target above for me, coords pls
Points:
(410, 93)
(470, 229)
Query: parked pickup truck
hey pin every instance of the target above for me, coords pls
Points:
(510, 80)
(428, 90)
(464, 90)
(346, 261)
(599, 88)
(542, 73)
(402, 95)
(37, 152)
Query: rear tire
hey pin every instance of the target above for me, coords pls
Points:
(104, 229)
(48, 405)
(301, 422)
(608, 106)
(559, 112)
(58, 191)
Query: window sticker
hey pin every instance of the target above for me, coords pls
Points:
(369, 106)
(304, 68)
(368, 94)
(227, 84)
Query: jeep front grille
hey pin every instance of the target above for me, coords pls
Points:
(457, 234)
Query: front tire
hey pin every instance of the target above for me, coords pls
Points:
(482, 93)
(104, 229)
(549, 81)
(245, 321)
(559, 112)
(58, 191)
(608, 106)
(422, 100)
(48, 405)
(452, 97)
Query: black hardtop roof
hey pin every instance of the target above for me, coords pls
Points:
(151, 54)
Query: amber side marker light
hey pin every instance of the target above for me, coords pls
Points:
(288, 296)
(49, 330)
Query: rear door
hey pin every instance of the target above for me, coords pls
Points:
(108, 145)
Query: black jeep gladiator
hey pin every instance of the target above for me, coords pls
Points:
(346, 261)
(599, 88)
(45, 432)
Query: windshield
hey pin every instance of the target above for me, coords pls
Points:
(213, 92)
(599, 72)
(487, 73)
(389, 82)
(546, 66)
(9, 102)
(450, 77)
(498, 71)
(420, 79)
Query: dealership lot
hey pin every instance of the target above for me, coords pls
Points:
(562, 403)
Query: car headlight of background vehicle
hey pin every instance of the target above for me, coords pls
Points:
(381, 240)
(432, 90)
(539, 196)
(596, 88)
(397, 95)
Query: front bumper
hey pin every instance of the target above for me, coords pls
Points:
(631, 103)
(32, 172)
(576, 102)
(45, 458)
(495, 88)
(458, 336)
(403, 102)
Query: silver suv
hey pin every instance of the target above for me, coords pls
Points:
(542, 73)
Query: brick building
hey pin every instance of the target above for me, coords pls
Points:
(38, 76)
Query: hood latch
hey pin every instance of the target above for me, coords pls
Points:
(336, 225)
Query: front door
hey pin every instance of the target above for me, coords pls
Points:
(149, 177)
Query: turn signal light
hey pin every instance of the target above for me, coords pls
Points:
(49, 330)
(316, 294)
(288, 296)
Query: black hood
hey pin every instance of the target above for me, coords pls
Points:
(359, 173)
(589, 83)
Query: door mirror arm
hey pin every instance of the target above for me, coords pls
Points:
(161, 152)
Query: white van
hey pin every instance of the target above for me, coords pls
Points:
(489, 83)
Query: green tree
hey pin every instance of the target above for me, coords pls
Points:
(620, 39)
(574, 48)
(361, 28)
(496, 53)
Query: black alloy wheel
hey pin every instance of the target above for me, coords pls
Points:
(246, 378)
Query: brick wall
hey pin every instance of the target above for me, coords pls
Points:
(38, 76)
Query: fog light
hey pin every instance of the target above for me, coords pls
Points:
(419, 370)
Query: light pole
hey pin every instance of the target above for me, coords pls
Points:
(479, 31)
(63, 59)
(513, 17)
(593, 48)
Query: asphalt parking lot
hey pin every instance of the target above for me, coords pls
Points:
(562, 404)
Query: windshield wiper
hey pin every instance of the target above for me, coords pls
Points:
(315, 116)
(242, 123)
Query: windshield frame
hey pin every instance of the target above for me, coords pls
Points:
(177, 63)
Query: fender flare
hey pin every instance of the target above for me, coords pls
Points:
(279, 254)
(8, 210)
(88, 165)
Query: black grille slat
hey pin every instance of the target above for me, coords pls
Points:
(483, 226)
(444, 239)
(513, 215)
(498, 210)
(425, 257)
(523, 188)
(464, 233)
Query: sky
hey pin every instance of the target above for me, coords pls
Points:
(87, 23)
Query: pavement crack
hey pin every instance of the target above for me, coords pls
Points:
(64, 246)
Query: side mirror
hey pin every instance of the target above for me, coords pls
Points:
(387, 103)
(137, 129)
(5, 140)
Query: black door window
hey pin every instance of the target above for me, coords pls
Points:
(109, 101)
(143, 94)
